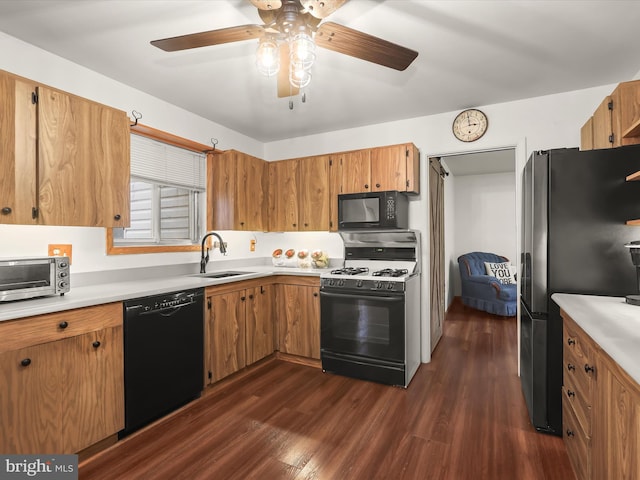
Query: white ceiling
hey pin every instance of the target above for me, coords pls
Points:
(481, 163)
(471, 53)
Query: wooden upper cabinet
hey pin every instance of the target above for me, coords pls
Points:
(395, 167)
(313, 180)
(586, 135)
(237, 192)
(83, 150)
(283, 195)
(616, 121)
(79, 149)
(355, 171)
(17, 151)
(626, 113)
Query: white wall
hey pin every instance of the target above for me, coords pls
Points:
(485, 220)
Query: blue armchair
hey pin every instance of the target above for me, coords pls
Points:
(483, 291)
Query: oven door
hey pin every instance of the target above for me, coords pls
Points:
(367, 324)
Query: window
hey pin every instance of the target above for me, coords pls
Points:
(167, 195)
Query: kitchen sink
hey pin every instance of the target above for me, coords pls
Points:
(222, 274)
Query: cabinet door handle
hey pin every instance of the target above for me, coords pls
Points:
(243, 298)
(96, 344)
(377, 185)
(6, 210)
(588, 368)
(366, 185)
(571, 393)
(295, 224)
(570, 433)
(250, 297)
(306, 224)
(63, 325)
(571, 367)
(117, 216)
(571, 341)
(25, 362)
(315, 294)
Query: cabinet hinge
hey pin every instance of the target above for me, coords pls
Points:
(208, 304)
(210, 375)
(330, 162)
(34, 212)
(34, 97)
(406, 153)
(407, 182)
(330, 223)
(611, 138)
(610, 105)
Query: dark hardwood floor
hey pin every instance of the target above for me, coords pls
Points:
(462, 417)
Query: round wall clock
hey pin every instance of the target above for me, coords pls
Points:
(470, 125)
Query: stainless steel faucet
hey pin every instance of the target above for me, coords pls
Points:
(204, 257)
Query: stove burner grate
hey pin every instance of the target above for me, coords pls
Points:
(391, 272)
(350, 271)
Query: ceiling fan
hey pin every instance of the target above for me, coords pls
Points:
(291, 31)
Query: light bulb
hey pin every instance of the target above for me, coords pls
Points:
(268, 57)
(303, 50)
(299, 77)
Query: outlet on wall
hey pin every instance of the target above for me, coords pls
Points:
(60, 250)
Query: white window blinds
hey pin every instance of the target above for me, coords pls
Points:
(167, 165)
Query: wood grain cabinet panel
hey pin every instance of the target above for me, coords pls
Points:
(299, 320)
(394, 167)
(237, 192)
(260, 331)
(227, 331)
(313, 180)
(283, 196)
(65, 390)
(67, 158)
(239, 329)
(616, 436)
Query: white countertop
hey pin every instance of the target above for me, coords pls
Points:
(611, 323)
(119, 290)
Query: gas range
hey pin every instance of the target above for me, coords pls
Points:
(381, 260)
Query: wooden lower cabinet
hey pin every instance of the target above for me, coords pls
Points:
(299, 318)
(239, 328)
(601, 410)
(616, 435)
(65, 392)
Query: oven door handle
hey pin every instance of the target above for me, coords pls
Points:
(382, 296)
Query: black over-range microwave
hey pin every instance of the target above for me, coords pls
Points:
(379, 210)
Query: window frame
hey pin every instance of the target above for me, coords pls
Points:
(176, 141)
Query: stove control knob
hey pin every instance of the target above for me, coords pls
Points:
(330, 283)
(378, 284)
(341, 283)
(390, 286)
(359, 283)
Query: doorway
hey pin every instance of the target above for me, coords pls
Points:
(472, 209)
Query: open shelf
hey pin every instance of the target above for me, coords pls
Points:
(633, 130)
(635, 223)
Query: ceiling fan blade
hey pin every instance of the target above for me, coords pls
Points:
(285, 89)
(361, 45)
(212, 37)
(266, 4)
(322, 8)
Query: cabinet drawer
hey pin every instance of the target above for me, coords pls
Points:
(581, 405)
(578, 373)
(20, 333)
(578, 444)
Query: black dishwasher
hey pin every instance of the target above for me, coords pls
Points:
(163, 355)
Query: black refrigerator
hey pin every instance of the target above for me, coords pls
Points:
(574, 208)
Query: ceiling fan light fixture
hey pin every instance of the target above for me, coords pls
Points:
(268, 57)
(303, 49)
(299, 77)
